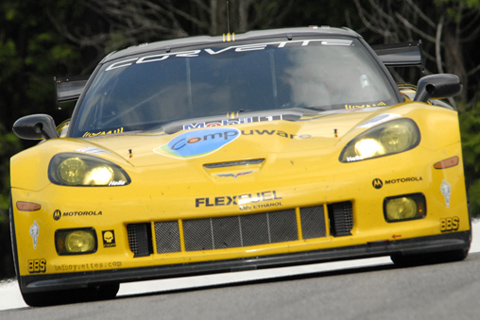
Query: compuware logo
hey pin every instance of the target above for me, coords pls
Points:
(198, 143)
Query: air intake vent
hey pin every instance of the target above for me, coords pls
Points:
(341, 218)
(167, 236)
(233, 163)
(140, 239)
(235, 231)
(313, 222)
(240, 231)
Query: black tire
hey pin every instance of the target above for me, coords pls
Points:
(42, 299)
(105, 291)
(429, 258)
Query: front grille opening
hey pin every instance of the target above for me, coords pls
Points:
(313, 222)
(167, 237)
(232, 231)
(341, 218)
(233, 163)
(240, 231)
(140, 239)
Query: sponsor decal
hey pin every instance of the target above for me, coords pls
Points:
(235, 175)
(231, 49)
(89, 266)
(380, 119)
(249, 198)
(102, 133)
(34, 231)
(363, 106)
(449, 224)
(108, 238)
(226, 122)
(198, 142)
(57, 214)
(355, 158)
(279, 133)
(37, 266)
(379, 183)
(260, 206)
(446, 190)
(91, 150)
(403, 180)
(220, 123)
(117, 183)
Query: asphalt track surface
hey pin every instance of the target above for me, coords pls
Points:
(383, 291)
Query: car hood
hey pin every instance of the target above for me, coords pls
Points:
(305, 134)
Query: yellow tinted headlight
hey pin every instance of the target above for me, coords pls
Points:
(385, 139)
(75, 241)
(405, 207)
(398, 137)
(73, 169)
(79, 241)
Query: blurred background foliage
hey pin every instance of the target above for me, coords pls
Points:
(40, 39)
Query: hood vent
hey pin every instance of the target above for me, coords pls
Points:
(233, 163)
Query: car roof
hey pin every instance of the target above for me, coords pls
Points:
(288, 33)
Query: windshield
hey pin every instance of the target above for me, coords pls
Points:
(147, 91)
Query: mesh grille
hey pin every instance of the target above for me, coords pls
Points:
(341, 218)
(313, 222)
(282, 227)
(167, 236)
(140, 239)
(132, 238)
(255, 229)
(240, 231)
(198, 234)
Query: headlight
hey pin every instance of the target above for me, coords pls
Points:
(385, 139)
(74, 169)
(405, 207)
(75, 241)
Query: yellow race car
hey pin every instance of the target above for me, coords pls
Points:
(215, 154)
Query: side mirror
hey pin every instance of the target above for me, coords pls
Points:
(35, 127)
(443, 85)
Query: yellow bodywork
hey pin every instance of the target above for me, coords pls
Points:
(301, 169)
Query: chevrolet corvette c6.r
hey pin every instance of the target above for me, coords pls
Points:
(215, 154)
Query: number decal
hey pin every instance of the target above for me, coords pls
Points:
(37, 266)
(449, 224)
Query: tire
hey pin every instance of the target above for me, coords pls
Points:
(105, 291)
(429, 258)
(42, 299)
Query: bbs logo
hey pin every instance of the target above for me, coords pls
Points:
(449, 224)
(37, 266)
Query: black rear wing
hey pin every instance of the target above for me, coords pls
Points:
(69, 88)
(406, 54)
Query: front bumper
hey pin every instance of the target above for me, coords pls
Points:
(438, 243)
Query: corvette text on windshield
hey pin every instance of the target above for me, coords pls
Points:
(211, 52)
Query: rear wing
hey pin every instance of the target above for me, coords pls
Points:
(406, 54)
(69, 88)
